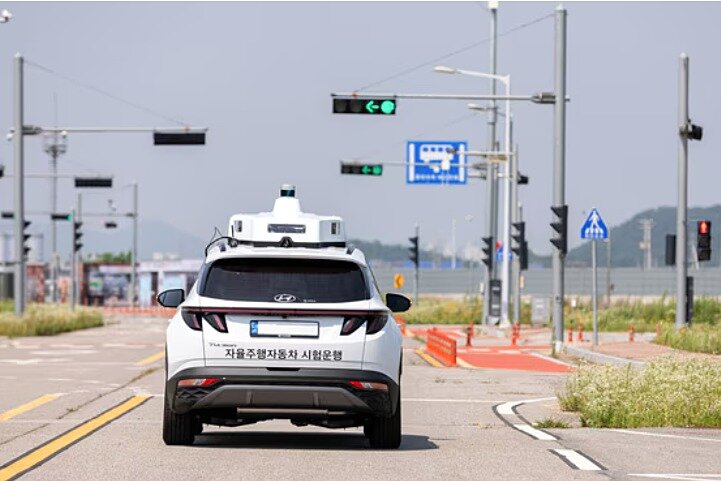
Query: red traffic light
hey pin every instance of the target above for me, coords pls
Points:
(704, 226)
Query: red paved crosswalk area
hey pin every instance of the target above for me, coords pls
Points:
(508, 357)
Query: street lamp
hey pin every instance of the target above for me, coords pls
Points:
(506, 234)
(5, 16)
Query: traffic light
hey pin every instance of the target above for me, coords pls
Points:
(413, 251)
(374, 106)
(26, 237)
(522, 179)
(361, 169)
(703, 240)
(77, 234)
(560, 225)
(670, 249)
(179, 138)
(521, 246)
(488, 251)
(111, 224)
(61, 216)
(82, 182)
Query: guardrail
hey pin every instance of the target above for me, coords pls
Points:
(441, 346)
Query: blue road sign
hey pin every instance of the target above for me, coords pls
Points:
(499, 254)
(441, 162)
(594, 227)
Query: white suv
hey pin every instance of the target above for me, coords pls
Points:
(285, 321)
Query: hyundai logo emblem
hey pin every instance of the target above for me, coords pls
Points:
(284, 298)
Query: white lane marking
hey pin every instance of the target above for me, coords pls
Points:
(662, 435)
(72, 346)
(687, 477)
(429, 400)
(24, 362)
(578, 460)
(507, 408)
(63, 352)
(549, 358)
(536, 433)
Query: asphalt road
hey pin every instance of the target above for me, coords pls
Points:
(88, 405)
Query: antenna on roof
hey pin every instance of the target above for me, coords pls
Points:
(287, 190)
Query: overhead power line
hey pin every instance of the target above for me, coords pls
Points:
(452, 53)
(100, 91)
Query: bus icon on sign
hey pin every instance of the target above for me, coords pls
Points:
(436, 162)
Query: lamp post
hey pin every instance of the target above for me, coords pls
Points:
(507, 178)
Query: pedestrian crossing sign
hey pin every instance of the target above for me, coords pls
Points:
(594, 227)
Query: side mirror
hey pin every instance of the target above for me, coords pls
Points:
(171, 297)
(397, 302)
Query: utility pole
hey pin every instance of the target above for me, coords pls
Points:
(559, 169)
(453, 243)
(19, 284)
(55, 145)
(492, 172)
(681, 209)
(515, 217)
(646, 225)
(134, 251)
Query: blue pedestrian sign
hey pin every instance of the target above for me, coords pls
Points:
(441, 162)
(594, 227)
(499, 253)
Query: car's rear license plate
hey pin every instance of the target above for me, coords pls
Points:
(283, 329)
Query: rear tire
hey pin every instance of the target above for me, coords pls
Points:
(385, 432)
(178, 429)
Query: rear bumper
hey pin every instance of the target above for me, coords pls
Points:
(276, 391)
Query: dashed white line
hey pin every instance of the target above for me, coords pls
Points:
(536, 433)
(577, 460)
(662, 435)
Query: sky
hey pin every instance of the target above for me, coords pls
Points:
(259, 76)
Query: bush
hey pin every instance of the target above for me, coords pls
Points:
(697, 338)
(445, 311)
(666, 393)
(47, 320)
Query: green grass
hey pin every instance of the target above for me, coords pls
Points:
(551, 423)
(47, 320)
(444, 311)
(697, 338)
(666, 393)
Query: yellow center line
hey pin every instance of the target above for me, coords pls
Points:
(11, 413)
(428, 358)
(151, 359)
(46, 451)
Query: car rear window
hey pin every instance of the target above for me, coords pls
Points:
(285, 280)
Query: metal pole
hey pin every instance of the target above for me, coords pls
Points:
(508, 179)
(453, 243)
(73, 271)
(53, 225)
(559, 168)
(417, 280)
(492, 173)
(515, 217)
(134, 252)
(681, 209)
(19, 288)
(608, 270)
(594, 293)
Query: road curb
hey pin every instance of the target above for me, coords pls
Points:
(598, 358)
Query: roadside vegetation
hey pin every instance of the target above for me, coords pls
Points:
(697, 338)
(670, 392)
(432, 310)
(551, 423)
(47, 320)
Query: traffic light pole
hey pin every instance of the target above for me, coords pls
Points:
(515, 261)
(134, 251)
(19, 281)
(492, 172)
(559, 170)
(681, 209)
(416, 286)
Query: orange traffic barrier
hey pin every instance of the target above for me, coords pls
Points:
(402, 324)
(441, 346)
(570, 334)
(631, 333)
(469, 334)
(515, 333)
(580, 332)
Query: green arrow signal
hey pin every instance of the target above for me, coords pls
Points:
(371, 106)
(365, 170)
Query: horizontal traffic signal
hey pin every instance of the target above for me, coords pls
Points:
(111, 225)
(179, 138)
(361, 169)
(61, 216)
(84, 182)
(374, 106)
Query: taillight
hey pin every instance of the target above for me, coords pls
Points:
(192, 319)
(351, 324)
(198, 382)
(368, 386)
(217, 321)
(376, 323)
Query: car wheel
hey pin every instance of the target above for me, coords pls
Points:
(385, 432)
(178, 429)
